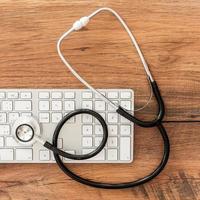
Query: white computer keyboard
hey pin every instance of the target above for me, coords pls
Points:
(80, 135)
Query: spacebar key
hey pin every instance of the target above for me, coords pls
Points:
(23, 105)
(24, 154)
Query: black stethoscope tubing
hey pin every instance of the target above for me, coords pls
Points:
(81, 156)
(57, 153)
(160, 114)
(96, 184)
(157, 122)
(67, 171)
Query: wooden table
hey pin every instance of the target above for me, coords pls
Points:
(169, 35)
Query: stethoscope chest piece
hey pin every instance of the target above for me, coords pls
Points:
(25, 129)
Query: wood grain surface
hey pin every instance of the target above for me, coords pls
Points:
(169, 35)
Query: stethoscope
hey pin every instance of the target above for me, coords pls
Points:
(26, 130)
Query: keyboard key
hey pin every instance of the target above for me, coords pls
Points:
(4, 130)
(87, 104)
(44, 95)
(52, 156)
(110, 108)
(112, 117)
(112, 154)
(71, 152)
(56, 117)
(56, 95)
(87, 141)
(98, 130)
(100, 105)
(97, 141)
(60, 143)
(44, 117)
(69, 105)
(23, 105)
(69, 95)
(124, 120)
(6, 154)
(113, 95)
(25, 95)
(103, 116)
(112, 141)
(44, 155)
(97, 96)
(125, 95)
(12, 95)
(6, 105)
(99, 156)
(24, 154)
(112, 129)
(87, 129)
(11, 142)
(1, 141)
(126, 105)
(56, 105)
(87, 118)
(2, 95)
(125, 129)
(125, 153)
(71, 120)
(44, 105)
(12, 117)
(87, 95)
(3, 118)
(26, 114)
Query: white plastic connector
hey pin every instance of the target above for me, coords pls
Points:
(79, 24)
